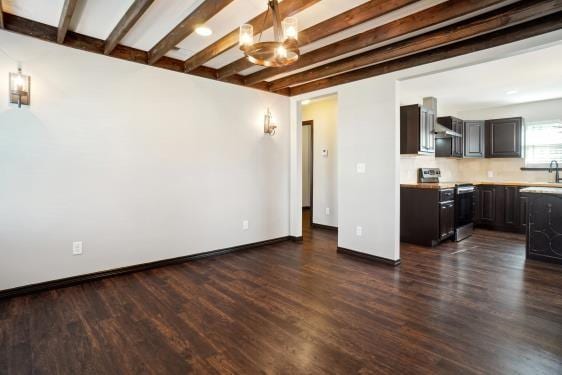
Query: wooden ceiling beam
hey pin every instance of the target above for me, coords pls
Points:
(261, 22)
(424, 19)
(486, 23)
(355, 16)
(135, 11)
(198, 17)
(24, 26)
(65, 18)
(504, 36)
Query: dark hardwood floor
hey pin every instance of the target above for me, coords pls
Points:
(470, 307)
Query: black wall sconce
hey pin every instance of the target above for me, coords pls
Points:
(19, 88)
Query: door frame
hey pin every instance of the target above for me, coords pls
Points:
(311, 124)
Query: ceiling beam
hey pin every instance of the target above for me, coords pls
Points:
(65, 18)
(135, 11)
(424, 19)
(199, 16)
(86, 43)
(261, 22)
(355, 16)
(509, 35)
(486, 23)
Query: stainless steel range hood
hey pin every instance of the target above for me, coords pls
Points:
(444, 132)
(439, 130)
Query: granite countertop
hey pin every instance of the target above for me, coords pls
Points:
(543, 190)
(448, 185)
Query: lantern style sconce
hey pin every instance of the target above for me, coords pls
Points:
(19, 88)
(268, 126)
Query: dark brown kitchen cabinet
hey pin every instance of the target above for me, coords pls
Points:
(487, 205)
(446, 219)
(473, 139)
(523, 212)
(417, 130)
(450, 146)
(503, 138)
(501, 208)
(426, 215)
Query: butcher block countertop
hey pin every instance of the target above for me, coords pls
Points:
(449, 185)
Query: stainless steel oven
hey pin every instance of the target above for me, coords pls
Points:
(464, 206)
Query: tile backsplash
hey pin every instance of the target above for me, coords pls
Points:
(471, 170)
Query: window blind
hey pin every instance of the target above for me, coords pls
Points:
(543, 143)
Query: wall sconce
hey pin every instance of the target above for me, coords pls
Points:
(268, 127)
(19, 88)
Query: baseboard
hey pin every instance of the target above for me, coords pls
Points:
(322, 226)
(295, 238)
(374, 258)
(73, 280)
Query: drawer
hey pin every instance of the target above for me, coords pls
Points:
(446, 195)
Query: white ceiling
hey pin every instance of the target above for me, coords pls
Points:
(97, 18)
(532, 76)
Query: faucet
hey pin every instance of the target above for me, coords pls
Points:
(557, 176)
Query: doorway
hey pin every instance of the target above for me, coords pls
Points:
(307, 170)
(319, 162)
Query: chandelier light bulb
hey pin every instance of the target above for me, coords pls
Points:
(246, 35)
(281, 52)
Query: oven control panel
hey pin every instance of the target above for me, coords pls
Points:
(429, 174)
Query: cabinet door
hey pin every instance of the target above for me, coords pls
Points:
(423, 130)
(511, 206)
(456, 126)
(446, 219)
(473, 139)
(503, 138)
(523, 213)
(487, 204)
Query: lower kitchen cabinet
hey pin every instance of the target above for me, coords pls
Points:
(501, 207)
(427, 216)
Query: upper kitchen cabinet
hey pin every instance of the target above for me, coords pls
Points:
(503, 138)
(417, 130)
(450, 146)
(474, 135)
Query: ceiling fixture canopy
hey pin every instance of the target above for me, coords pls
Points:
(281, 52)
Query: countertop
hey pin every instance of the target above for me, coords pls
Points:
(448, 185)
(543, 190)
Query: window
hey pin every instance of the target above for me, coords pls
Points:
(543, 143)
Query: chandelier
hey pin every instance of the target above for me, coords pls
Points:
(281, 52)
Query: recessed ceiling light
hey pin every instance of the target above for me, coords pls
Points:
(305, 102)
(203, 31)
(511, 92)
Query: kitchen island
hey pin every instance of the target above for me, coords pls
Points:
(544, 223)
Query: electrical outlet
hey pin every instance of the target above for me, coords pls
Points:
(245, 225)
(490, 173)
(361, 168)
(327, 211)
(77, 248)
(359, 231)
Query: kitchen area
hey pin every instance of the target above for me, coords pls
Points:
(461, 175)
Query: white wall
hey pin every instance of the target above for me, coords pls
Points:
(324, 113)
(306, 165)
(141, 164)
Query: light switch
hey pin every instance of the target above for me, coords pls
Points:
(361, 168)
(490, 173)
